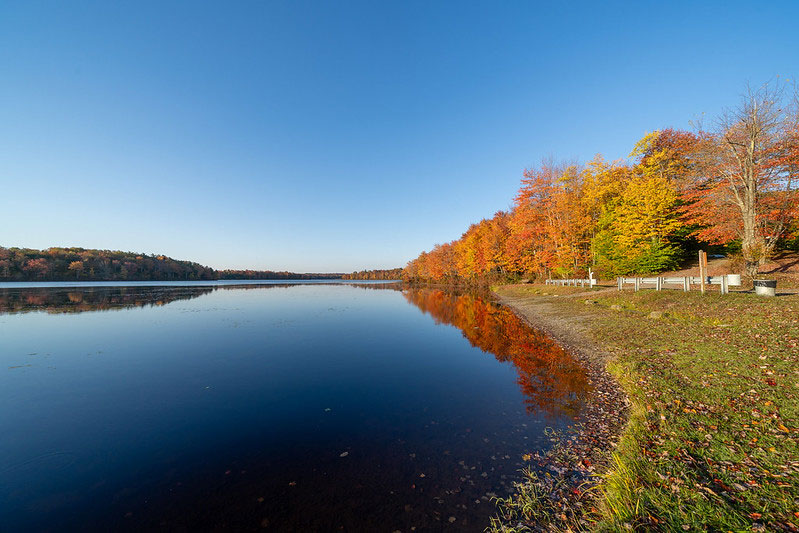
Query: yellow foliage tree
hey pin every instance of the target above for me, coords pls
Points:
(646, 211)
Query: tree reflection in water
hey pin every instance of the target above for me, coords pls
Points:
(552, 381)
(77, 299)
(82, 299)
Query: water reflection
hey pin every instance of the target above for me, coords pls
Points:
(80, 300)
(552, 381)
(77, 299)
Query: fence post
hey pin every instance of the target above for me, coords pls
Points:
(658, 283)
(686, 284)
(724, 284)
(702, 271)
(637, 284)
(618, 283)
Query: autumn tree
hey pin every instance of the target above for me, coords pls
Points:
(76, 267)
(645, 219)
(645, 222)
(5, 269)
(568, 223)
(603, 184)
(37, 268)
(550, 216)
(441, 262)
(495, 242)
(524, 249)
(745, 186)
(786, 201)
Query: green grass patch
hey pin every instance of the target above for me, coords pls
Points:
(712, 439)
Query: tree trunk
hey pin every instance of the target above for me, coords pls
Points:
(751, 242)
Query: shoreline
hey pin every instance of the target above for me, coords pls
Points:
(565, 476)
(710, 442)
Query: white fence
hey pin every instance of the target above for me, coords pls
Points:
(590, 282)
(658, 283)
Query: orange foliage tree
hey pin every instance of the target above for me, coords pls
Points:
(745, 188)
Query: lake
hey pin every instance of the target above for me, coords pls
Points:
(276, 406)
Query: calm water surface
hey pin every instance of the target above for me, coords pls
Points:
(289, 407)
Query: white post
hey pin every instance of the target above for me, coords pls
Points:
(686, 284)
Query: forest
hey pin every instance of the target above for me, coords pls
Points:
(378, 274)
(80, 264)
(731, 189)
(271, 274)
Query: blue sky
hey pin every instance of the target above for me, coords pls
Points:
(334, 136)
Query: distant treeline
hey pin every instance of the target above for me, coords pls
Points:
(269, 274)
(65, 264)
(735, 187)
(385, 274)
(80, 264)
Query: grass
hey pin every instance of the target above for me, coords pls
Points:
(544, 290)
(711, 443)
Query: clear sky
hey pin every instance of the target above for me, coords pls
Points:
(334, 136)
